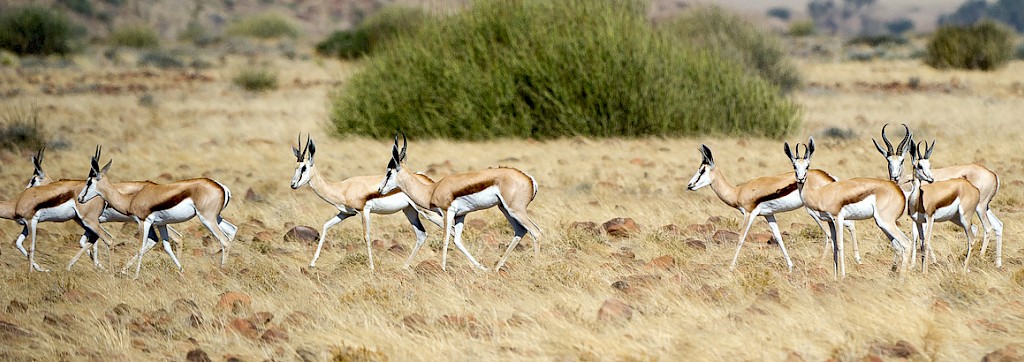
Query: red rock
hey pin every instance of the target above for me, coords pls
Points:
(900, 349)
(197, 355)
(621, 227)
(671, 229)
(267, 236)
(759, 238)
(252, 196)
(245, 327)
(273, 335)
(664, 262)
(428, 267)
(696, 244)
(262, 318)
(302, 234)
(624, 253)
(589, 227)
(234, 302)
(397, 248)
(16, 307)
(1009, 353)
(414, 321)
(725, 236)
(701, 229)
(614, 310)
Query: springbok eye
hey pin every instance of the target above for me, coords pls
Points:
(303, 169)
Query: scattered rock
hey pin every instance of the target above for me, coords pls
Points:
(622, 286)
(901, 349)
(725, 237)
(476, 224)
(79, 296)
(8, 329)
(197, 355)
(624, 254)
(398, 248)
(414, 321)
(664, 262)
(696, 244)
(701, 229)
(245, 327)
(16, 307)
(614, 310)
(717, 220)
(1009, 353)
(589, 227)
(759, 238)
(252, 196)
(671, 229)
(274, 334)
(302, 234)
(234, 302)
(621, 227)
(428, 267)
(262, 318)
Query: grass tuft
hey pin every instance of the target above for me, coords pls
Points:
(264, 26)
(256, 80)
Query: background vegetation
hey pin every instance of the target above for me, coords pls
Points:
(373, 33)
(553, 69)
(35, 30)
(986, 46)
(264, 26)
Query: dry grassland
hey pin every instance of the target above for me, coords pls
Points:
(544, 307)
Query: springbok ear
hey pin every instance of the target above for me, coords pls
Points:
(913, 150)
(810, 148)
(931, 148)
(707, 154)
(107, 167)
(789, 152)
(295, 151)
(312, 148)
(879, 148)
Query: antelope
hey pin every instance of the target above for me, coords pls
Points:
(454, 196)
(762, 196)
(851, 199)
(953, 200)
(981, 177)
(162, 204)
(92, 213)
(356, 196)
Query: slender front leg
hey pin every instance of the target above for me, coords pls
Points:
(167, 248)
(366, 237)
(458, 227)
(449, 229)
(927, 243)
(748, 220)
(965, 222)
(835, 248)
(839, 243)
(323, 235)
(147, 225)
(417, 227)
(778, 236)
(32, 247)
(853, 239)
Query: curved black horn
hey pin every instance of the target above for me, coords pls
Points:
(305, 150)
(906, 137)
(405, 144)
(888, 146)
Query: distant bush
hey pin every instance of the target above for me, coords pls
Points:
(82, 7)
(801, 28)
(780, 13)
(21, 130)
(8, 59)
(734, 38)
(986, 46)
(35, 30)
(554, 68)
(256, 80)
(139, 36)
(373, 33)
(160, 59)
(264, 26)
(878, 40)
(900, 26)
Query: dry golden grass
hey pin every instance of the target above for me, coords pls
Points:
(545, 306)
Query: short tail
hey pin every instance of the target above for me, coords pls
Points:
(534, 181)
(227, 194)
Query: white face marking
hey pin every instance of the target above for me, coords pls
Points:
(800, 166)
(895, 167)
(90, 191)
(701, 178)
(923, 170)
(302, 174)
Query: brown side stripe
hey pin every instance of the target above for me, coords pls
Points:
(780, 193)
(170, 202)
(56, 200)
(474, 188)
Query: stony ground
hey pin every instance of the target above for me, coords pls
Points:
(657, 286)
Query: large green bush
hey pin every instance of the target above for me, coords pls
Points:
(732, 37)
(35, 30)
(986, 46)
(373, 33)
(264, 26)
(139, 36)
(554, 68)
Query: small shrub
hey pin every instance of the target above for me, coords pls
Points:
(35, 30)
(8, 59)
(373, 33)
(82, 7)
(986, 46)
(735, 39)
(837, 133)
(256, 80)
(801, 28)
(878, 40)
(160, 59)
(264, 26)
(139, 36)
(780, 13)
(900, 26)
(21, 130)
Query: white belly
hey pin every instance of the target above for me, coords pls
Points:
(786, 203)
(481, 200)
(111, 215)
(388, 204)
(946, 213)
(862, 210)
(179, 213)
(62, 212)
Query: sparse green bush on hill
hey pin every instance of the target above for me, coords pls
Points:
(732, 37)
(548, 69)
(21, 130)
(373, 33)
(139, 36)
(801, 28)
(256, 80)
(35, 30)
(264, 26)
(986, 46)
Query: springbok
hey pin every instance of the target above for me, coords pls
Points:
(852, 199)
(162, 204)
(762, 196)
(356, 196)
(454, 196)
(981, 177)
(953, 200)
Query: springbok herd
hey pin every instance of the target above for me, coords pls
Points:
(952, 194)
